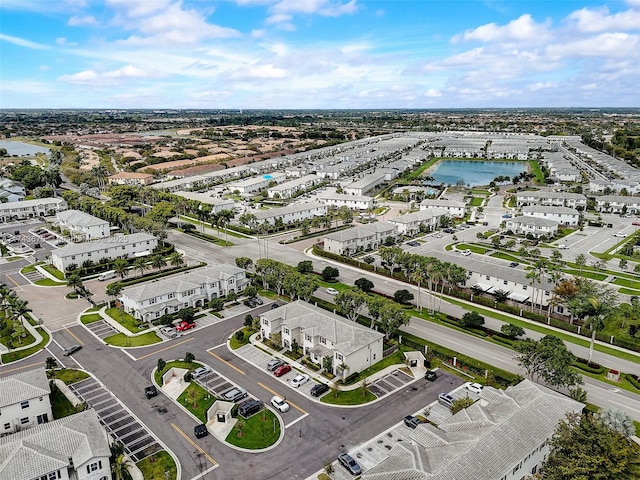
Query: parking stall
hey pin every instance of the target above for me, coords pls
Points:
(390, 383)
(101, 329)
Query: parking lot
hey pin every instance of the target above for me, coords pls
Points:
(117, 420)
(101, 329)
(390, 383)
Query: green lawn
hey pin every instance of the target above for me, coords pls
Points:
(154, 467)
(61, 406)
(506, 256)
(623, 282)
(30, 268)
(537, 171)
(124, 319)
(235, 343)
(418, 172)
(70, 376)
(176, 364)
(348, 397)
(393, 359)
(6, 338)
(474, 248)
(47, 282)
(197, 400)
(92, 317)
(258, 431)
(628, 291)
(53, 271)
(476, 201)
(122, 340)
(19, 355)
(341, 287)
(586, 274)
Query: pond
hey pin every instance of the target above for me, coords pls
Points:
(22, 149)
(472, 173)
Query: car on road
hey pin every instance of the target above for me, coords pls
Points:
(635, 224)
(150, 391)
(448, 230)
(474, 387)
(200, 430)
(274, 363)
(350, 464)
(280, 403)
(274, 306)
(514, 264)
(411, 421)
(430, 375)
(507, 215)
(71, 350)
(332, 291)
(184, 326)
(199, 372)
(563, 246)
(413, 243)
(235, 394)
(466, 252)
(619, 234)
(281, 370)
(299, 379)
(319, 389)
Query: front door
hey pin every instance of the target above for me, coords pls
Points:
(43, 418)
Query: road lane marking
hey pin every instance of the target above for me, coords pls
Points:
(225, 362)
(194, 444)
(296, 420)
(200, 475)
(74, 336)
(218, 346)
(12, 280)
(163, 349)
(282, 396)
(23, 367)
(128, 354)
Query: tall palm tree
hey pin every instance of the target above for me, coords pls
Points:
(418, 276)
(224, 218)
(121, 266)
(158, 261)
(140, 265)
(120, 467)
(74, 281)
(175, 259)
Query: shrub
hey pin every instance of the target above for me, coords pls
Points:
(240, 335)
(248, 321)
(161, 364)
(189, 357)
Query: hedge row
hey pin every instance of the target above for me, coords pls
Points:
(592, 367)
(103, 267)
(317, 234)
(632, 379)
(153, 276)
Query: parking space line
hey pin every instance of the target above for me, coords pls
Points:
(296, 420)
(200, 475)
(74, 336)
(163, 349)
(194, 444)
(288, 401)
(225, 362)
(218, 346)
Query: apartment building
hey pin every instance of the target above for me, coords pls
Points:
(453, 208)
(563, 215)
(369, 236)
(291, 213)
(413, 223)
(24, 401)
(39, 207)
(82, 226)
(558, 199)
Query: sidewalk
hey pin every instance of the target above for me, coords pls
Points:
(32, 330)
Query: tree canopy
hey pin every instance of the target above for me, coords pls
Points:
(548, 360)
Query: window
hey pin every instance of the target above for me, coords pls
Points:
(339, 356)
(524, 287)
(506, 282)
(171, 295)
(265, 321)
(488, 277)
(24, 404)
(152, 301)
(7, 426)
(94, 466)
(285, 330)
(24, 420)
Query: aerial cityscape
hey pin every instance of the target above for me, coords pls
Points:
(319, 240)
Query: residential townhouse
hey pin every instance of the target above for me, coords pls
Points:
(71, 448)
(134, 245)
(24, 401)
(290, 188)
(369, 236)
(291, 213)
(354, 202)
(82, 226)
(191, 289)
(366, 183)
(130, 178)
(11, 190)
(563, 215)
(615, 185)
(559, 199)
(617, 204)
(217, 203)
(503, 436)
(413, 223)
(40, 207)
(351, 347)
(536, 226)
(255, 184)
(452, 208)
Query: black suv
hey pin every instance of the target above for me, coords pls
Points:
(151, 391)
(319, 389)
(248, 408)
(411, 421)
(430, 375)
(200, 430)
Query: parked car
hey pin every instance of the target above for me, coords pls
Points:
(446, 400)
(235, 394)
(299, 379)
(411, 421)
(150, 391)
(319, 389)
(430, 375)
(184, 326)
(258, 300)
(249, 407)
(474, 387)
(514, 264)
(200, 371)
(281, 370)
(466, 252)
(37, 245)
(350, 464)
(280, 403)
(274, 363)
(635, 224)
(169, 332)
(563, 246)
(274, 306)
(413, 243)
(71, 350)
(332, 291)
(200, 430)
(250, 303)
(448, 230)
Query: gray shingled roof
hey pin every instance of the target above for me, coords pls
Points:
(36, 451)
(533, 221)
(76, 217)
(550, 209)
(94, 246)
(23, 386)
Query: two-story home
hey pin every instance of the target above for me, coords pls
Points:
(363, 237)
(617, 204)
(130, 178)
(71, 448)
(136, 244)
(452, 208)
(536, 226)
(563, 215)
(559, 199)
(190, 289)
(24, 401)
(11, 190)
(351, 347)
(83, 226)
(354, 202)
(290, 188)
(295, 212)
(413, 223)
(39, 207)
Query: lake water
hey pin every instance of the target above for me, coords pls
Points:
(450, 172)
(22, 149)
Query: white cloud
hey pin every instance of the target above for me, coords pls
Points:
(44, 68)
(91, 77)
(607, 45)
(82, 20)
(284, 10)
(139, 8)
(521, 29)
(601, 20)
(23, 43)
(433, 92)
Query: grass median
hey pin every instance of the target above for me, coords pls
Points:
(256, 432)
(122, 340)
(156, 466)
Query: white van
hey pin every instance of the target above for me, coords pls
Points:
(107, 275)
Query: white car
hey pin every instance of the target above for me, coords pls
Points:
(466, 253)
(332, 291)
(619, 234)
(563, 246)
(474, 387)
(199, 372)
(279, 403)
(299, 380)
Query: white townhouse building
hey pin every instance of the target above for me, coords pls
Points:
(617, 204)
(363, 237)
(411, 223)
(190, 289)
(130, 178)
(255, 184)
(366, 183)
(290, 188)
(71, 448)
(217, 203)
(324, 334)
(502, 436)
(452, 208)
(563, 215)
(535, 226)
(133, 245)
(39, 207)
(24, 401)
(560, 199)
(291, 213)
(354, 202)
(614, 186)
(83, 226)
(11, 190)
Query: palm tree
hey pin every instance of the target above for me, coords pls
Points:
(224, 218)
(18, 309)
(121, 267)
(74, 281)
(175, 259)
(140, 265)
(158, 261)
(418, 276)
(598, 309)
(120, 467)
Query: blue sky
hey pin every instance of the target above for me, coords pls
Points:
(335, 54)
